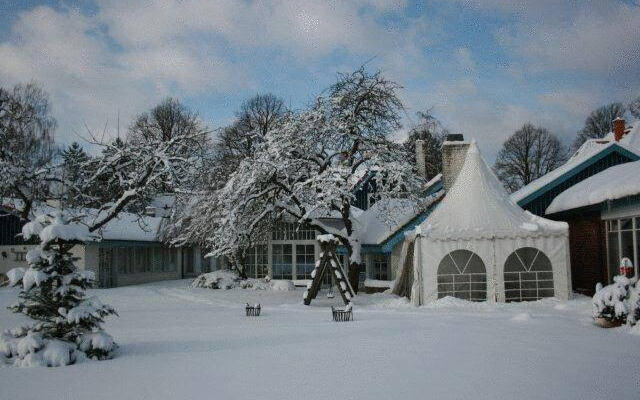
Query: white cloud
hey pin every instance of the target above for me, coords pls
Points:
(600, 37)
(130, 54)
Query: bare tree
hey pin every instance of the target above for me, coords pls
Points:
(164, 121)
(599, 123)
(256, 117)
(634, 107)
(27, 146)
(431, 131)
(527, 155)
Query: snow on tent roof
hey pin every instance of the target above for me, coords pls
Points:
(613, 183)
(588, 149)
(478, 206)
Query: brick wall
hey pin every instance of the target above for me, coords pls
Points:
(588, 253)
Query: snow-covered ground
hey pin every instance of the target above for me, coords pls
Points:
(178, 342)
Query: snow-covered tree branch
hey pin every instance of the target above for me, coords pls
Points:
(306, 168)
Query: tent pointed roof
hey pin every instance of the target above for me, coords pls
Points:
(478, 206)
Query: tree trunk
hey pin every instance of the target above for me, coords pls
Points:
(354, 273)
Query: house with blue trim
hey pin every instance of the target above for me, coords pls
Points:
(130, 249)
(587, 229)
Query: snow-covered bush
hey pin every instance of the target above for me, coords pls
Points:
(228, 279)
(53, 295)
(618, 302)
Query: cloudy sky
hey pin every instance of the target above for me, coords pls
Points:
(484, 66)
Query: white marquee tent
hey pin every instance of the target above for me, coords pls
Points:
(479, 245)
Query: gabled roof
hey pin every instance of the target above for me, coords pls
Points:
(478, 206)
(588, 154)
(613, 183)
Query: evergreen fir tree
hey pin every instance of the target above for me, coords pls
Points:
(74, 170)
(53, 295)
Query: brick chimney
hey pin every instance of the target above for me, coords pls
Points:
(454, 152)
(618, 128)
(421, 162)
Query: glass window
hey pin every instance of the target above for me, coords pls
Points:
(527, 275)
(282, 261)
(626, 238)
(170, 260)
(381, 267)
(462, 274)
(121, 256)
(305, 260)
(157, 259)
(140, 259)
(256, 261)
(148, 259)
(290, 231)
(614, 255)
(626, 224)
(188, 260)
(262, 260)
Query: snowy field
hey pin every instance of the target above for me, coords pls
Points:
(178, 342)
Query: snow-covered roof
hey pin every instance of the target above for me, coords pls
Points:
(128, 226)
(478, 206)
(613, 183)
(589, 149)
(383, 218)
(631, 138)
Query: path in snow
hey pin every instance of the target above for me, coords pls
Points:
(178, 342)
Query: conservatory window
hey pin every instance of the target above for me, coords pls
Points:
(140, 259)
(623, 236)
(282, 261)
(528, 275)
(305, 260)
(381, 267)
(171, 260)
(291, 231)
(157, 259)
(462, 274)
(257, 261)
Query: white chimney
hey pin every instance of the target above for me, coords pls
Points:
(420, 158)
(454, 152)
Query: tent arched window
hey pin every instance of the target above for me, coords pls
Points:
(462, 274)
(527, 275)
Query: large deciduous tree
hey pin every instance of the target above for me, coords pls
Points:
(527, 155)
(430, 130)
(27, 147)
(599, 123)
(306, 167)
(256, 117)
(168, 120)
(634, 107)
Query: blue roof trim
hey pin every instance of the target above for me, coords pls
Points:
(435, 188)
(393, 240)
(577, 169)
(388, 244)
